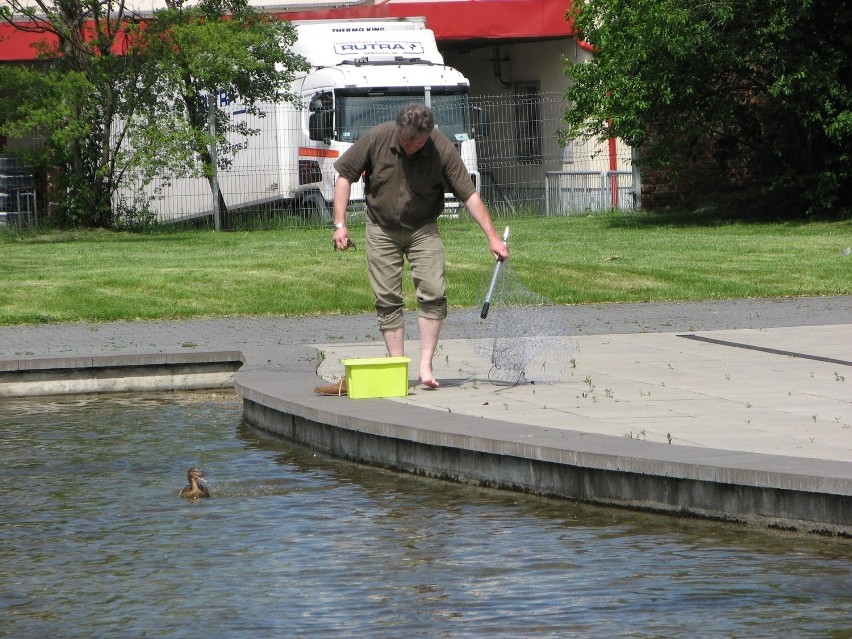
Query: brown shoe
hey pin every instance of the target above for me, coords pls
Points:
(338, 388)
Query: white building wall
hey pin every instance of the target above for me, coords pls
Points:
(505, 79)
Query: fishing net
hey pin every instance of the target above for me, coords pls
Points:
(518, 336)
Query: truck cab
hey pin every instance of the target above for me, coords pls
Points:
(362, 73)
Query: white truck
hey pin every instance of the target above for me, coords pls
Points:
(362, 72)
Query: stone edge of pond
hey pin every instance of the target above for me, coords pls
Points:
(779, 492)
(40, 376)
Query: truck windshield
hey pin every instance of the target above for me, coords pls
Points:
(357, 114)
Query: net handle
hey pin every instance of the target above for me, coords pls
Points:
(484, 313)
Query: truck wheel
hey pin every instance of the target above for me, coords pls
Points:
(313, 208)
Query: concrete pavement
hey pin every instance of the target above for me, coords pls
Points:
(738, 409)
(747, 390)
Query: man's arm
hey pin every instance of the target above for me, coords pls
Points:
(479, 212)
(342, 190)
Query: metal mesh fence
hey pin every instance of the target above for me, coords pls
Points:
(19, 202)
(521, 153)
(281, 177)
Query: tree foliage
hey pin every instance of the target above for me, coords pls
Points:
(115, 94)
(194, 53)
(766, 83)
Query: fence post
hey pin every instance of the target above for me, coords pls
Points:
(613, 167)
(637, 178)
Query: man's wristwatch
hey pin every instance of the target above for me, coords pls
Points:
(340, 225)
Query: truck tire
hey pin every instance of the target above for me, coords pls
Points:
(313, 208)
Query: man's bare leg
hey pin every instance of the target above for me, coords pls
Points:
(430, 330)
(395, 341)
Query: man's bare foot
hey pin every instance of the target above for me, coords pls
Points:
(427, 379)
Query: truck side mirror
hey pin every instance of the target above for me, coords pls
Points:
(480, 122)
(321, 119)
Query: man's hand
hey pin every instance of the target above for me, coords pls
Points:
(499, 249)
(341, 240)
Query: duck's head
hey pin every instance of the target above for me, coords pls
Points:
(197, 474)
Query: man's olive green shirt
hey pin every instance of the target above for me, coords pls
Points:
(401, 191)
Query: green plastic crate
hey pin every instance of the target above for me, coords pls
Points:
(376, 377)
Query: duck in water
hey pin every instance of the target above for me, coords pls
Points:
(194, 490)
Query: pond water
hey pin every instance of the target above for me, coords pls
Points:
(94, 541)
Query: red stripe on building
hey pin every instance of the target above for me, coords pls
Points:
(468, 20)
(451, 20)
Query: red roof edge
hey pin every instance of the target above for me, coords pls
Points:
(452, 21)
(18, 45)
(464, 20)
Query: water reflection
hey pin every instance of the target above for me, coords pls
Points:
(95, 542)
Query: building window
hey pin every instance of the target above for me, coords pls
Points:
(528, 122)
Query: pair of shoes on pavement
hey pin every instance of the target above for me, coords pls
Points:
(337, 388)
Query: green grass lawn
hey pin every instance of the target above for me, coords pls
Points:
(57, 276)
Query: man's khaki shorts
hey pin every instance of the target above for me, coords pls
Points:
(386, 251)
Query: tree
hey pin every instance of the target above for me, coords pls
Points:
(219, 48)
(72, 96)
(767, 83)
(106, 77)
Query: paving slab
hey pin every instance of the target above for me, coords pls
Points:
(663, 387)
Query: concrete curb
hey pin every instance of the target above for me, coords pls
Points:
(118, 373)
(780, 492)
